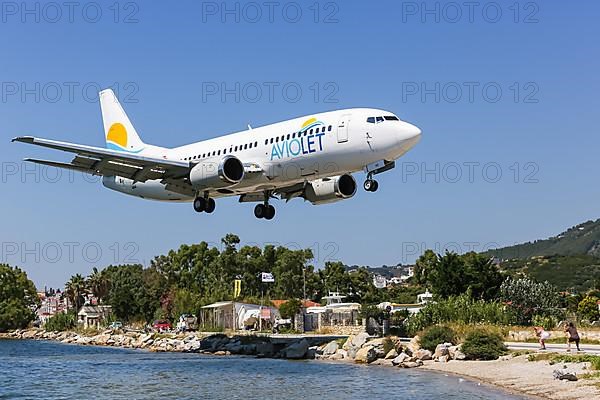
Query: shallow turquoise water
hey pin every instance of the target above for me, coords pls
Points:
(47, 370)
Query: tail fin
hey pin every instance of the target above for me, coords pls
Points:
(118, 130)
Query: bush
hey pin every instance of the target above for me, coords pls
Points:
(60, 322)
(461, 310)
(290, 308)
(483, 345)
(547, 322)
(432, 336)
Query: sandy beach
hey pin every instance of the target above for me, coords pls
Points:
(520, 375)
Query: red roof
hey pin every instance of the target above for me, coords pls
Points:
(305, 303)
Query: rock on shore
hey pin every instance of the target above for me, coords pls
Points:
(359, 348)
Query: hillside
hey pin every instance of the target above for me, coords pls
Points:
(568, 273)
(582, 239)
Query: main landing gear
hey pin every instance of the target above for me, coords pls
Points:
(204, 204)
(265, 210)
(370, 184)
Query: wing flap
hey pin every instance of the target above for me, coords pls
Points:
(111, 162)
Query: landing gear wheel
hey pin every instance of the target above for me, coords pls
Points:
(210, 205)
(199, 204)
(371, 185)
(260, 211)
(270, 212)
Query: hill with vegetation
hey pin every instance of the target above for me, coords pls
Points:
(569, 261)
(582, 239)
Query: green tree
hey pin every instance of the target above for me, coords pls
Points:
(75, 289)
(448, 276)
(588, 308)
(98, 284)
(424, 265)
(18, 298)
(528, 298)
(290, 308)
(482, 276)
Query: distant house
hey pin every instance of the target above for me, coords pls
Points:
(425, 298)
(236, 316)
(93, 316)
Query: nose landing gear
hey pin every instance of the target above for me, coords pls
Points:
(204, 204)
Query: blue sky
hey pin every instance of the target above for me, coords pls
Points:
(539, 132)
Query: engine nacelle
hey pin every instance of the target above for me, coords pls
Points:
(329, 190)
(217, 174)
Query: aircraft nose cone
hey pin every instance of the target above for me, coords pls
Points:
(412, 131)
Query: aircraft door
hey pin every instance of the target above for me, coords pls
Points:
(342, 129)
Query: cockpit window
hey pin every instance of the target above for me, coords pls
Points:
(371, 120)
(391, 118)
(379, 119)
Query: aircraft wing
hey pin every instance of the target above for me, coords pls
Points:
(99, 161)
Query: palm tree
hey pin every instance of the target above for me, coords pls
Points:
(98, 284)
(75, 289)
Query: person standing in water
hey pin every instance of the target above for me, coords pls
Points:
(572, 336)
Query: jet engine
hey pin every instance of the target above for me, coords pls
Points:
(330, 190)
(217, 174)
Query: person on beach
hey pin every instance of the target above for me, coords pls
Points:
(573, 336)
(542, 334)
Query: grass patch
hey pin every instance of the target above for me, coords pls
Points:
(554, 358)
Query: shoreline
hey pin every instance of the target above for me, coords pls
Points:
(513, 375)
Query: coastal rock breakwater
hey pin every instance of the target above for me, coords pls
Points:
(360, 348)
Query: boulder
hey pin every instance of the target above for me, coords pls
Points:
(330, 348)
(443, 359)
(413, 345)
(391, 354)
(456, 353)
(365, 355)
(296, 350)
(422, 354)
(440, 350)
(311, 353)
(359, 340)
(409, 364)
(402, 357)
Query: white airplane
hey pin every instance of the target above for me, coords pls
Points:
(311, 157)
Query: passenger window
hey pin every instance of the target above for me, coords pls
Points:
(214, 152)
(271, 140)
(219, 153)
(288, 136)
(311, 131)
(255, 144)
(323, 130)
(266, 141)
(282, 138)
(330, 127)
(371, 120)
(245, 147)
(277, 139)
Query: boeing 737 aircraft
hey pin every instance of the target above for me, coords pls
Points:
(311, 157)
